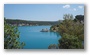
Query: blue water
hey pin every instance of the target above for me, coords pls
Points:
(34, 39)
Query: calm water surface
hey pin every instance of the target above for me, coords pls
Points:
(34, 39)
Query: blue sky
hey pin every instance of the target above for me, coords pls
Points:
(41, 12)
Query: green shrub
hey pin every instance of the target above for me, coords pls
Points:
(11, 37)
(70, 42)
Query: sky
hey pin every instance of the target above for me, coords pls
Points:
(41, 12)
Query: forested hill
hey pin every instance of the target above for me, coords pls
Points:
(25, 22)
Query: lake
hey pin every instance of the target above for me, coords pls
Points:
(34, 39)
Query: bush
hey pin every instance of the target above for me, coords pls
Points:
(72, 34)
(72, 28)
(70, 42)
(53, 46)
(11, 37)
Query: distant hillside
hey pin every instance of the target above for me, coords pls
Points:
(25, 22)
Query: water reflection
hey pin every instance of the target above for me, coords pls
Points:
(52, 33)
(55, 33)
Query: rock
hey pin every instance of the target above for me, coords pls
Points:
(44, 30)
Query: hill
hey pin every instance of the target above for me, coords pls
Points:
(26, 22)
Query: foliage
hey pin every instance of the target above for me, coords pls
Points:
(70, 42)
(79, 17)
(53, 46)
(68, 16)
(15, 21)
(72, 32)
(73, 28)
(11, 37)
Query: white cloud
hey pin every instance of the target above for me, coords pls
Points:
(66, 6)
(80, 7)
(74, 9)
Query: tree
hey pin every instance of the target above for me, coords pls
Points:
(70, 42)
(72, 34)
(68, 16)
(53, 46)
(73, 28)
(79, 18)
(11, 37)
